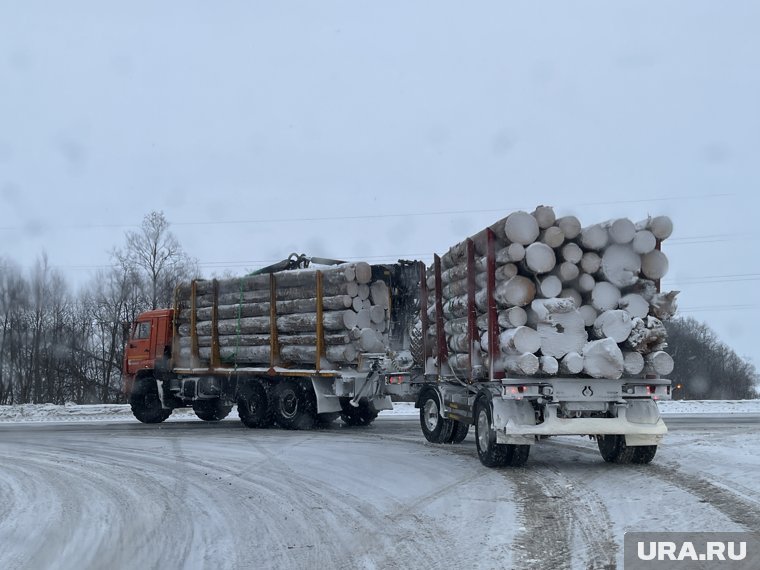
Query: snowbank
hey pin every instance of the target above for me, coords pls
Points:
(122, 413)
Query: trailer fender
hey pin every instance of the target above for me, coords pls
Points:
(642, 412)
(324, 388)
(512, 413)
(381, 403)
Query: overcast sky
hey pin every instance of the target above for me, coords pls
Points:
(383, 130)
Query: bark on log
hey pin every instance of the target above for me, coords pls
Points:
(308, 354)
(285, 279)
(522, 364)
(664, 305)
(264, 340)
(335, 303)
(603, 359)
(647, 335)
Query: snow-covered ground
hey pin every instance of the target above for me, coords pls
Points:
(116, 412)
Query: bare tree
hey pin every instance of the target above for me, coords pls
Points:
(158, 258)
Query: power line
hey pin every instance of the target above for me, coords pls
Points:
(368, 216)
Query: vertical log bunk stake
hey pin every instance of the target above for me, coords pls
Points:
(493, 320)
(274, 345)
(471, 310)
(195, 359)
(424, 315)
(320, 324)
(442, 349)
(216, 359)
(175, 335)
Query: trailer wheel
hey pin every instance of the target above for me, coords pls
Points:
(614, 450)
(145, 403)
(326, 419)
(491, 454)
(211, 410)
(294, 405)
(459, 433)
(435, 428)
(361, 415)
(519, 455)
(253, 406)
(643, 454)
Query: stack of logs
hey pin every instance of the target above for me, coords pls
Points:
(354, 315)
(571, 299)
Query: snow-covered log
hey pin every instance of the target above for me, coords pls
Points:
(660, 226)
(615, 324)
(570, 226)
(571, 363)
(603, 359)
(621, 265)
(520, 339)
(552, 236)
(545, 217)
(633, 362)
(654, 264)
(521, 227)
(659, 362)
(539, 258)
(594, 237)
(635, 305)
(549, 365)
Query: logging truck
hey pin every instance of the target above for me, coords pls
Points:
(493, 334)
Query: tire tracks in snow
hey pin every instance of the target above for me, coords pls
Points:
(743, 509)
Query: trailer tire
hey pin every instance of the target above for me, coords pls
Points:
(643, 454)
(491, 454)
(211, 410)
(459, 432)
(145, 402)
(254, 410)
(519, 455)
(362, 415)
(435, 428)
(295, 405)
(614, 450)
(326, 419)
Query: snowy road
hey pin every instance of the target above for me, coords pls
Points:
(191, 495)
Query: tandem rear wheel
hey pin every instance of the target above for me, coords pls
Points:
(436, 428)
(613, 449)
(494, 454)
(213, 410)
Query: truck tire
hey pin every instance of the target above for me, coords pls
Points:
(254, 410)
(327, 419)
(614, 450)
(459, 432)
(145, 403)
(491, 454)
(294, 405)
(361, 415)
(643, 454)
(519, 455)
(211, 410)
(435, 428)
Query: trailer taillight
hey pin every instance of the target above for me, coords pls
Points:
(397, 379)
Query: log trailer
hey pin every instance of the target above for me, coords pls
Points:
(509, 412)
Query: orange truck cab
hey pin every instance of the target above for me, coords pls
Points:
(149, 341)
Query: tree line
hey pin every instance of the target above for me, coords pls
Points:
(58, 346)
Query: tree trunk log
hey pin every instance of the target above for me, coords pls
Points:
(615, 324)
(603, 359)
(545, 217)
(644, 242)
(549, 365)
(594, 237)
(621, 265)
(633, 362)
(521, 227)
(605, 296)
(654, 264)
(570, 226)
(539, 258)
(520, 339)
(572, 363)
(635, 305)
(659, 362)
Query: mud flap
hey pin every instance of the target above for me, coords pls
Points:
(508, 413)
(324, 389)
(381, 403)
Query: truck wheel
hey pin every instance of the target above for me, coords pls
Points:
(435, 428)
(253, 406)
(519, 455)
(211, 410)
(614, 450)
(294, 405)
(145, 403)
(327, 419)
(361, 415)
(491, 454)
(643, 454)
(459, 433)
